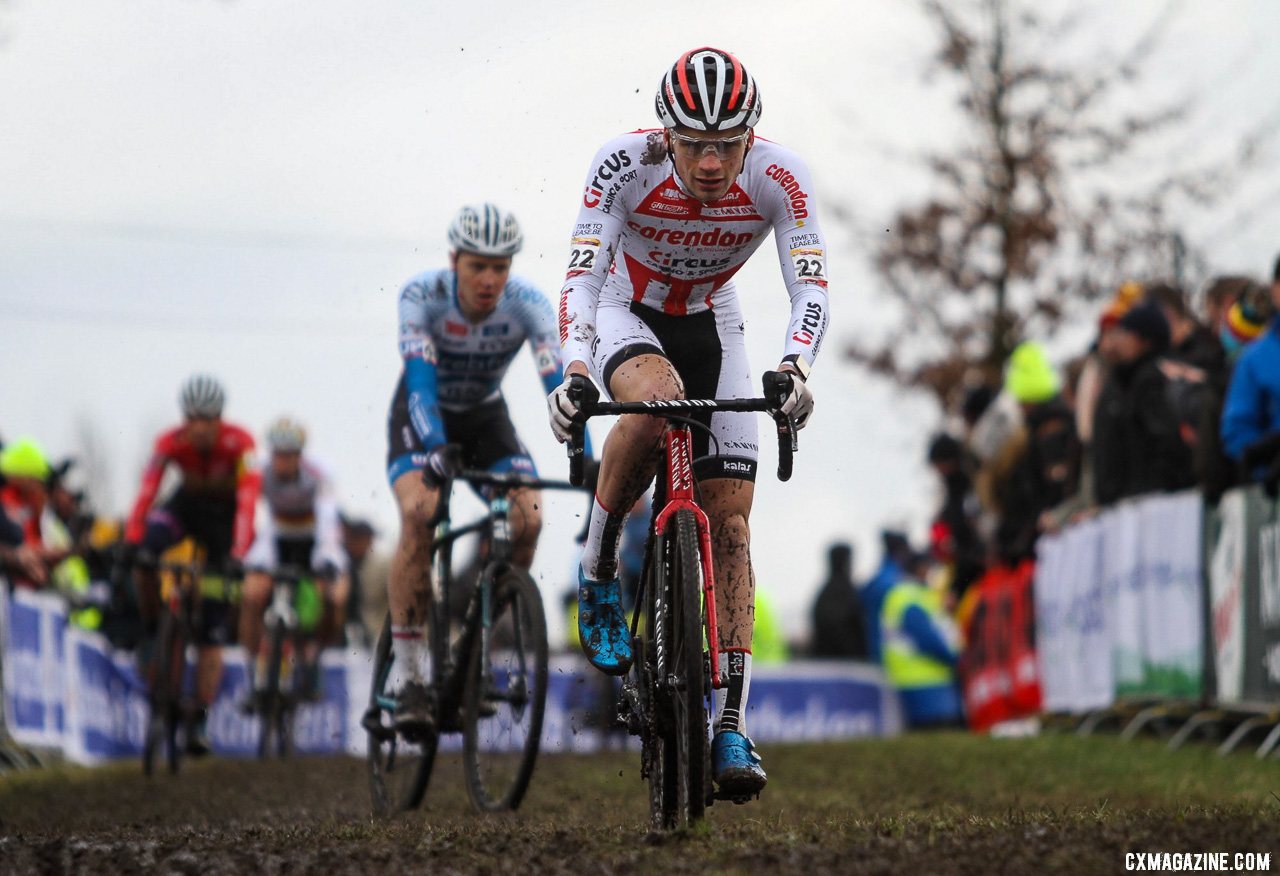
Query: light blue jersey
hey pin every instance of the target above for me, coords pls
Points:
(455, 364)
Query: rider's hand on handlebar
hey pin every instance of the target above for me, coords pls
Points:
(563, 410)
(441, 465)
(799, 402)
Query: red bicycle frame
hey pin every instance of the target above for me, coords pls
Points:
(678, 447)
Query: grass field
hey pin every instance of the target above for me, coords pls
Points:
(930, 803)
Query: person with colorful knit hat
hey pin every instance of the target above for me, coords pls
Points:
(1251, 417)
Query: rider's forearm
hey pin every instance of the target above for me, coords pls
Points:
(424, 410)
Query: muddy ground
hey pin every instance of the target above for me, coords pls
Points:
(930, 804)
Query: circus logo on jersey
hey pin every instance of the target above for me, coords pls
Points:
(791, 186)
(608, 168)
(454, 328)
(809, 324)
(668, 262)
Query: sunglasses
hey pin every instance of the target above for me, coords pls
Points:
(696, 147)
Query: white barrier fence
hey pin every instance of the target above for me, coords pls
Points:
(1119, 605)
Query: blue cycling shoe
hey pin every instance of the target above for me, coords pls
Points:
(602, 625)
(736, 765)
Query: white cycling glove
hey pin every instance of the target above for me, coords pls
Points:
(561, 410)
(799, 403)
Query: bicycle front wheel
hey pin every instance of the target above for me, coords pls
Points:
(506, 692)
(399, 767)
(168, 667)
(685, 750)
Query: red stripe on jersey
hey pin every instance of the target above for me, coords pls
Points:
(677, 300)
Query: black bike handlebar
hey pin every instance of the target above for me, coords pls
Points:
(777, 386)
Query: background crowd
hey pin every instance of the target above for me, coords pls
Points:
(1175, 391)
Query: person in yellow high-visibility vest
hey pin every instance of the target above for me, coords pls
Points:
(920, 647)
(768, 644)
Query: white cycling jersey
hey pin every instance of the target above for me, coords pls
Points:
(641, 238)
(303, 508)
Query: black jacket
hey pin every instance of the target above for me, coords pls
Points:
(839, 630)
(1137, 446)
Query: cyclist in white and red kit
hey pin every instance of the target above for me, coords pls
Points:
(650, 311)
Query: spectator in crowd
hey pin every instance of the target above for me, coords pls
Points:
(1137, 445)
(1236, 309)
(24, 498)
(1045, 473)
(897, 552)
(954, 535)
(1191, 342)
(1251, 417)
(1093, 376)
(920, 649)
(1194, 364)
(839, 629)
(768, 644)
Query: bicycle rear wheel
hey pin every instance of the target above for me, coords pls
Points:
(506, 692)
(679, 770)
(399, 768)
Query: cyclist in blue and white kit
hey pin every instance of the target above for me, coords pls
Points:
(460, 328)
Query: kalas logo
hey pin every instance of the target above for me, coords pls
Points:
(809, 325)
(798, 197)
(676, 237)
(605, 172)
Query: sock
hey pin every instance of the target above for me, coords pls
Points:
(600, 553)
(406, 647)
(731, 701)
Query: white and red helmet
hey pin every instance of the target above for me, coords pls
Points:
(708, 90)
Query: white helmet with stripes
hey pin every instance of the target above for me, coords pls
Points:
(202, 396)
(485, 230)
(708, 90)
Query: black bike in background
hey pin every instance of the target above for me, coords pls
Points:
(185, 582)
(289, 626)
(487, 674)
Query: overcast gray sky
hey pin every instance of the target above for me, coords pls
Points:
(241, 187)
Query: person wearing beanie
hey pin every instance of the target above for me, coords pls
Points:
(1145, 322)
(1138, 447)
(1047, 471)
(1251, 416)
